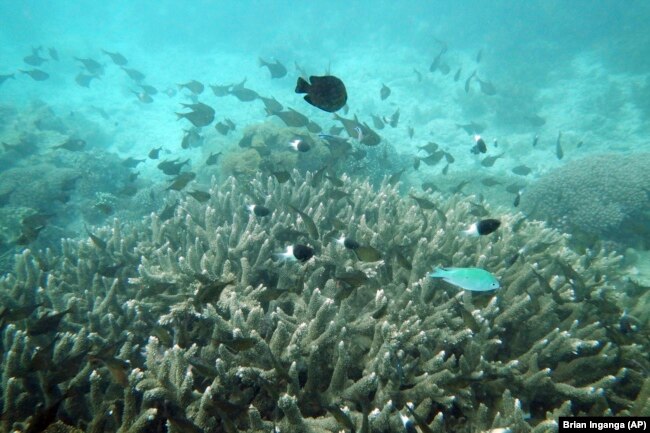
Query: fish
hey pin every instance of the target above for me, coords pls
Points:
(384, 92)
(535, 140)
(299, 145)
(242, 93)
(430, 147)
(416, 163)
(487, 87)
(72, 144)
(149, 90)
(394, 178)
(54, 54)
(168, 211)
(325, 92)
(221, 90)
(367, 254)
(172, 168)
(472, 279)
(308, 222)
(394, 119)
(299, 252)
(479, 55)
(36, 74)
(143, 97)
(291, 117)
(258, 210)
(134, 74)
(193, 86)
(200, 196)
(471, 128)
(348, 243)
(154, 153)
(91, 65)
(517, 200)
(418, 75)
(435, 64)
(490, 181)
(457, 74)
(377, 122)
(423, 202)
(277, 69)
(521, 170)
(459, 188)
(353, 278)
(350, 125)
(84, 79)
(182, 180)
(314, 127)
(535, 120)
(213, 158)
(433, 158)
(191, 138)
(222, 128)
(489, 161)
(5, 77)
(48, 322)
(105, 208)
(131, 162)
(97, 241)
(271, 104)
(445, 169)
(483, 227)
(559, 153)
(479, 146)
(281, 176)
(411, 132)
(201, 114)
(468, 81)
(116, 57)
(34, 59)
(450, 158)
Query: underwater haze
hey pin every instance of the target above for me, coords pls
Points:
(323, 216)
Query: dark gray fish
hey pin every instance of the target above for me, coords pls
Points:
(92, 66)
(271, 104)
(489, 161)
(395, 177)
(314, 127)
(487, 87)
(201, 114)
(131, 162)
(445, 169)
(34, 59)
(291, 117)
(450, 158)
(367, 136)
(281, 176)
(192, 138)
(459, 188)
(259, 210)
(242, 93)
(134, 74)
(535, 120)
(517, 200)
(325, 92)
(149, 90)
(423, 202)
(433, 158)
(490, 181)
(97, 241)
(5, 77)
(514, 188)
(222, 128)
(84, 79)
(377, 122)
(308, 223)
(182, 180)
(522, 170)
(437, 60)
(535, 140)
(168, 211)
(418, 75)
(353, 278)
(200, 196)
(36, 74)
(394, 119)
(221, 90)
(277, 69)
(411, 131)
(559, 153)
(193, 86)
(479, 145)
(430, 147)
(72, 144)
(117, 58)
(155, 152)
(213, 158)
(384, 92)
(172, 168)
(457, 74)
(367, 254)
(230, 123)
(54, 55)
(468, 81)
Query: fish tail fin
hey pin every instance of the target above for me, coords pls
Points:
(261, 62)
(179, 116)
(437, 272)
(302, 86)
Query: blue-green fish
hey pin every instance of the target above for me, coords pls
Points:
(474, 279)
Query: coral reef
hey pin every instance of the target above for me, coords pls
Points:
(604, 195)
(195, 324)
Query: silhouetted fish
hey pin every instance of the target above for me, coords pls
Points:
(117, 58)
(384, 92)
(242, 93)
(276, 69)
(36, 74)
(193, 86)
(327, 92)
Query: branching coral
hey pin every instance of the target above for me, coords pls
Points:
(222, 335)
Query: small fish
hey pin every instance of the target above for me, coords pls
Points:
(291, 117)
(489, 161)
(36, 74)
(277, 69)
(193, 86)
(48, 322)
(457, 74)
(423, 202)
(200, 196)
(191, 138)
(416, 163)
(411, 132)
(521, 170)
(258, 210)
(84, 79)
(92, 66)
(468, 81)
(490, 181)
(143, 97)
(559, 153)
(154, 153)
(483, 227)
(117, 58)
(213, 158)
(281, 176)
(222, 128)
(308, 222)
(242, 93)
(377, 122)
(172, 167)
(168, 211)
(299, 145)
(105, 208)
(5, 77)
(445, 169)
(444, 68)
(367, 254)
(72, 144)
(149, 90)
(54, 55)
(271, 104)
(182, 180)
(134, 74)
(394, 178)
(435, 64)
(348, 243)
(535, 140)
(459, 188)
(535, 120)
(325, 92)
(479, 146)
(299, 252)
(517, 200)
(418, 75)
(201, 114)
(394, 119)
(352, 278)
(479, 55)
(118, 368)
(131, 162)
(433, 158)
(473, 279)
(34, 59)
(487, 87)
(99, 242)
(450, 158)
(384, 92)
(221, 90)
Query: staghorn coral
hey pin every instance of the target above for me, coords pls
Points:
(604, 195)
(223, 336)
